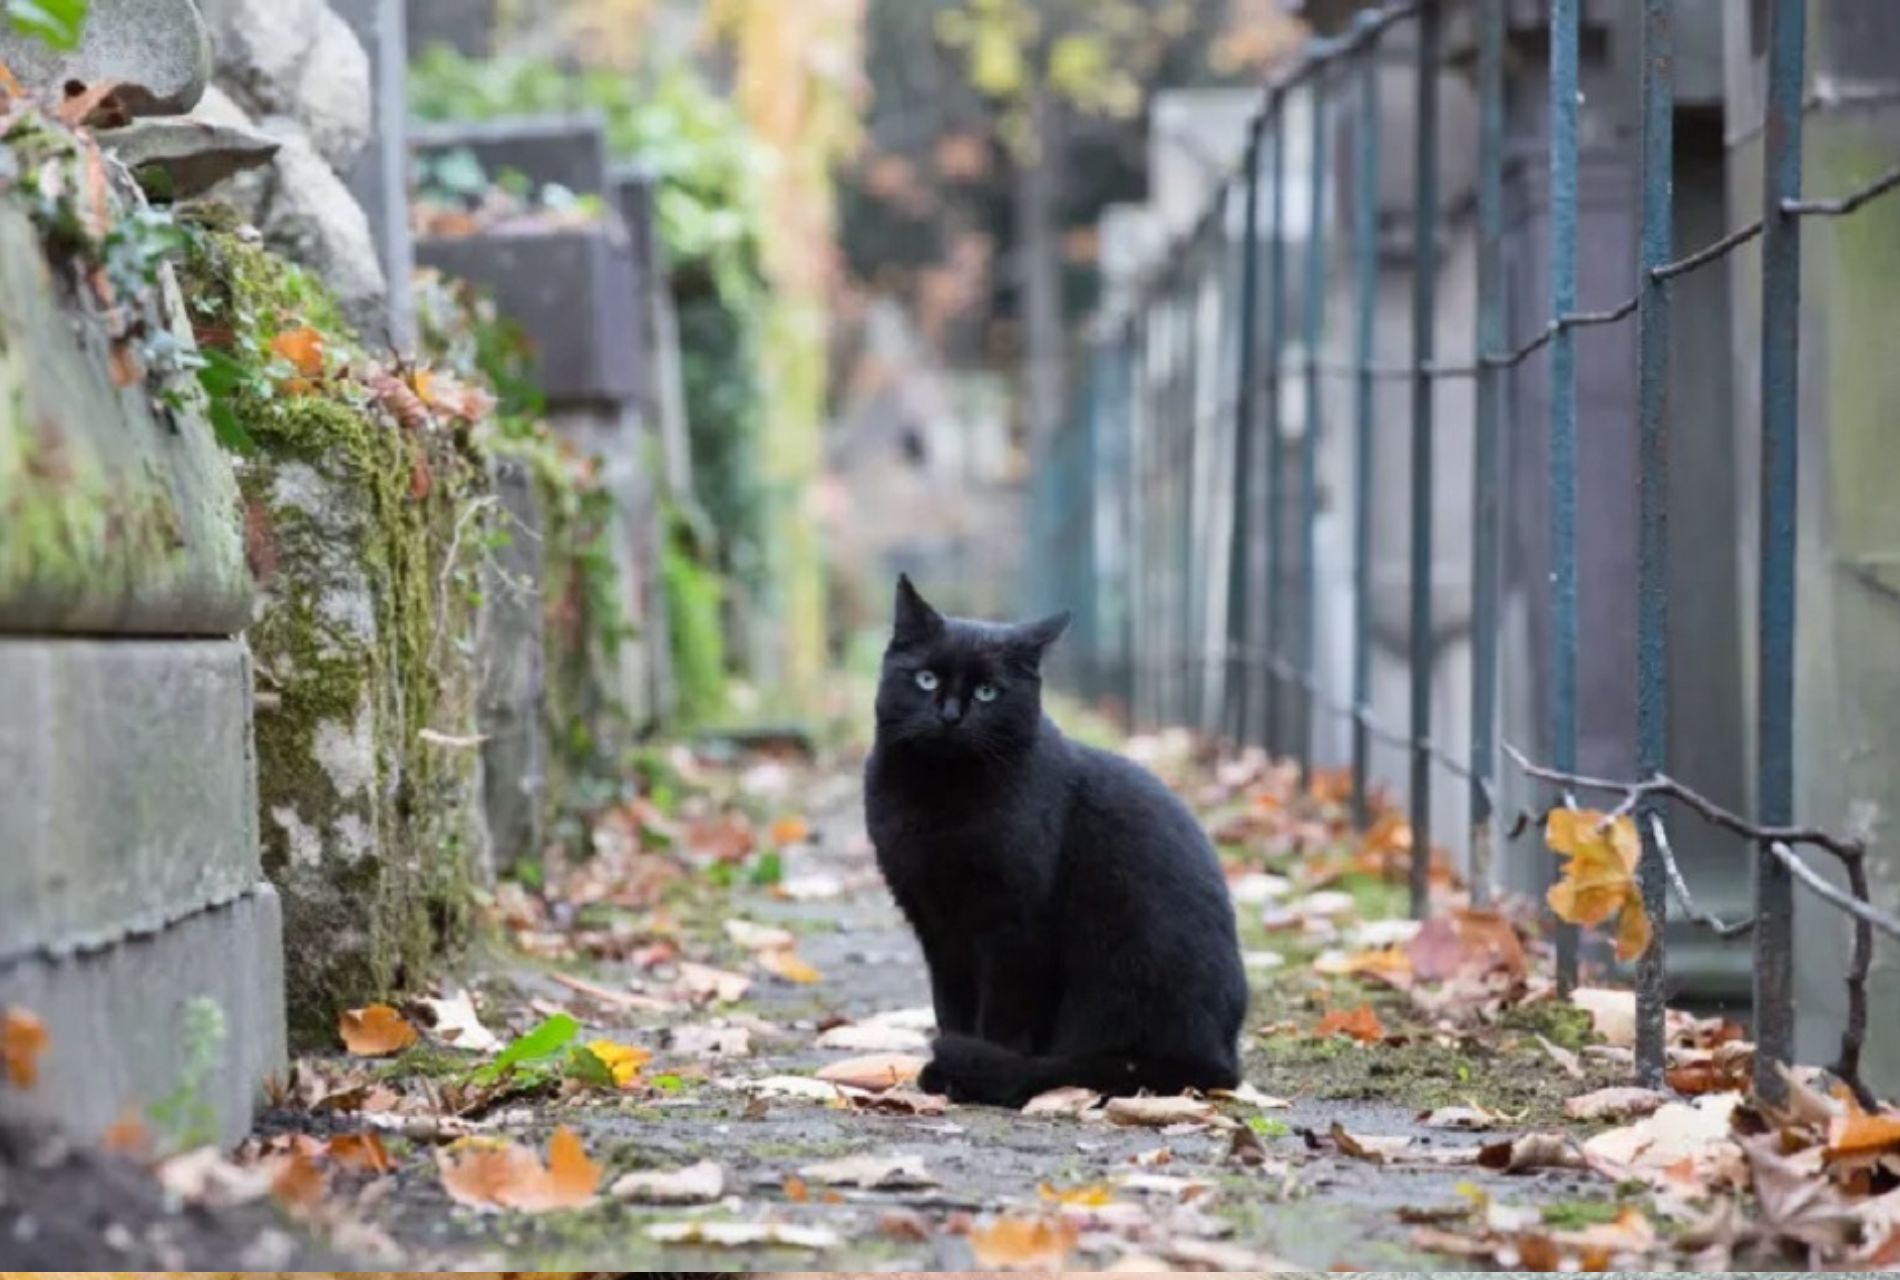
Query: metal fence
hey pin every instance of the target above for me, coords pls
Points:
(1175, 467)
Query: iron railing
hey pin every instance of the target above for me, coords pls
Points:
(1177, 452)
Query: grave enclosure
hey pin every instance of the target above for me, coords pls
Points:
(295, 702)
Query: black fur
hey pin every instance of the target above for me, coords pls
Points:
(1072, 912)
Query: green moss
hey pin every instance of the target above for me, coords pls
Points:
(360, 529)
(1558, 1021)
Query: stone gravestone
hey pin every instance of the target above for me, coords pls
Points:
(467, 26)
(379, 176)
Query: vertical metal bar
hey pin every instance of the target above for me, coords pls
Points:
(1563, 420)
(1315, 286)
(1424, 319)
(1652, 575)
(1780, 390)
(1132, 600)
(1276, 453)
(1486, 525)
(1188, 421)
(1365, 250)
(1238, 668)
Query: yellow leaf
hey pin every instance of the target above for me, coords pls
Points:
(788, 965)
(303, 348)
(791, 829)
(21, 1044)
(1032, 1244)
(623, 1060)
(1093, 1194)
(1632, 932)
(375, 1031)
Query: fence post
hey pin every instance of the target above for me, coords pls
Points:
(1188, 428)
(1276, 452)
(1365, 245)
(1564, 20)
(1652, 601)
(1241, 555)
(1315, 307)
(1486, 525)
(1780, 386)
(1424, 308)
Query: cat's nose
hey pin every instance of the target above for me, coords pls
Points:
(950, 711)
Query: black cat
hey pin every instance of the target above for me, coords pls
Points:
(1073, 914)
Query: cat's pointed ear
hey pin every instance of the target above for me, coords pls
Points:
(913, 619)
(1034, 638)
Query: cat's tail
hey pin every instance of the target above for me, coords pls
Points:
(973, 1070)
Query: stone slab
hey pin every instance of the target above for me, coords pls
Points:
(119, 1019)
(378, 177)
(127, 786)
(467, 26)
(159, 51)
(513, 669)
(574, 293)
(117, 514)
(564, 151)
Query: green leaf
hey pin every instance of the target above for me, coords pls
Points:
(584, 1064)
(668, 1083)
(58, 23)
(1268, 1127)
(536, 1046)
(768, 870)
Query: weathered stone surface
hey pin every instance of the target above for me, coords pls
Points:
(299, 60)
(512, 659)
(116, 514)
(379, 177)
(164, 727)
(307, 213)
(158, 50)
(131, 1025)
(177, 159)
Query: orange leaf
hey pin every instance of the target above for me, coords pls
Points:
(1091, 1195)
(1362, 1024)
(361, 1151)
(874, 1071)
(298, 1183)
(10, 85)
(375, 1032)
(21, 1044)
(787, 964)
(1467, 943)
(303, 348)
(1860, 1133)
(795, 1189)
(128, 1136)
(791, 829)
(498, 1174)
(1632, 931)
(1024, 1244)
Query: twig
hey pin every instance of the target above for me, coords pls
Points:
(1721, 928)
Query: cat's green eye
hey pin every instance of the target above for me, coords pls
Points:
(986, 693)
(927, 681)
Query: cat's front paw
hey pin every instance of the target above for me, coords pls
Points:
(932, 1080)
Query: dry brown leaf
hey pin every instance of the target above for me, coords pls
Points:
(1362, 1024)
(791, 829)
(870, 1038)
(1612, 1013)
(874, 1071)
(1567, 1062)
(375, 1031)
(1158, 1113)
(497, 1174)
(700, 1183)
(1861, 1133)
(363, 1151)
(703, 984)
(1376, 1148)
(787, 964)
(456, 1023)
(1467, 943)
(298, 1183)
(1024, 1244)
(1069, 1100)
(1467, 1118)
(22, 1042)
(1531, 1151)
(1621, 1102)
(743, 1235)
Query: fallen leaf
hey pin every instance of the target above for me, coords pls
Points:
(22, 1042)
(1612, 1013)
(1598, 881)
(1860, 1133)
(302, 347)
(1680, 1146)
(788, 965)
(1467, 943)
(375, 1031)
(1251, 1096)
(493, 1173)
(1367, 1146)
(907, 1102)
(1531, 1151)
(702, 983)
(1389, 963)
(1465, 1118)
(871, 1173)
(1712, 1074)
(1566, 1061)
(1155, 1113)
(1362, 1024)
(905, 1225)
(128, 1136)
(867, 1038)
(791, 829)
(1095, 1193)
(623, 1061)
(743, 1235)
(1069, 1100)
(810, 1088)
(760, 937)
(297, 1182)
(456, 1023)
(700, 1183)
(1024, 1244)
(362, 1151)
(874, 1071)
(1621, 1102)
